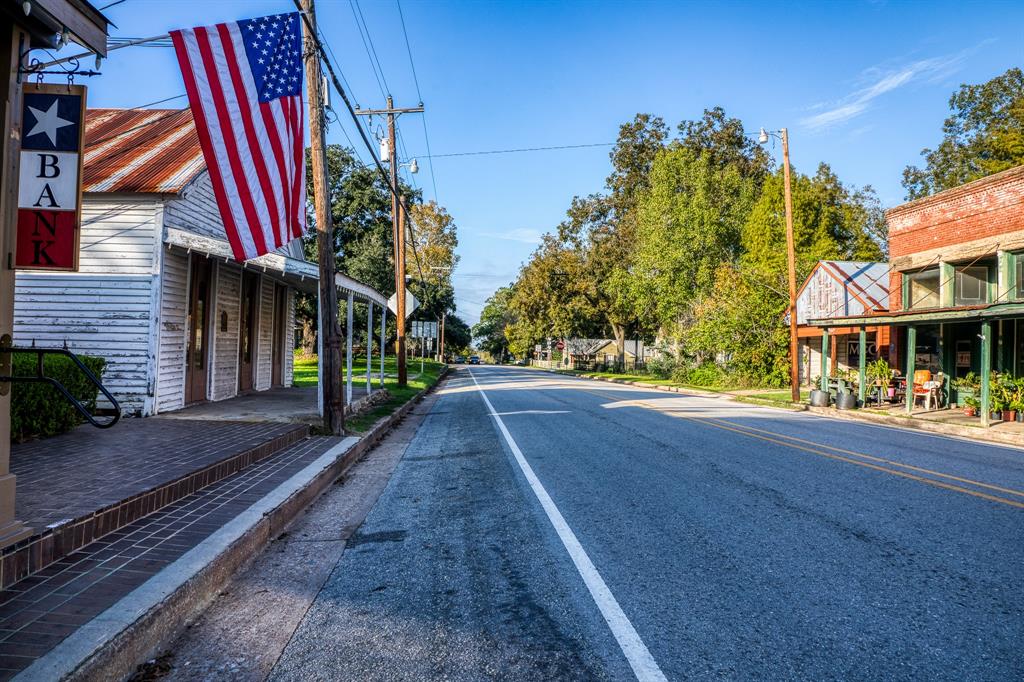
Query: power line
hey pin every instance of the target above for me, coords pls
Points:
(423, 118)
(524, 149)
(367, 44)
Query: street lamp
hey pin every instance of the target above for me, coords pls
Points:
(794, 368)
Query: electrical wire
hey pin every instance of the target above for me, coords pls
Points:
(524, 149)
(356, 14)
(423, 117)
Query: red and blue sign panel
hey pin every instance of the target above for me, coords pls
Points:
(50, 177)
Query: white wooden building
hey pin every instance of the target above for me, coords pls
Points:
(158, 293)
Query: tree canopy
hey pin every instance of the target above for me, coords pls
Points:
(984, 134)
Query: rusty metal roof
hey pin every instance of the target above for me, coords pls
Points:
(140, 150)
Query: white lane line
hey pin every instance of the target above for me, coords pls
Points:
(506, 414)
(644, 666)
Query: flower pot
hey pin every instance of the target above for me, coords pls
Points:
(819, 398)
(846, 401)
(892, 392)
(971, 411)
(1011, 415)
(996, 415)
(1020, 416)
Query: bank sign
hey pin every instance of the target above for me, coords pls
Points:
(50, 181)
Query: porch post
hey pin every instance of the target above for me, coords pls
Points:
(862, 373)
(369, 347)
(911, 363)
(986, 371)
(824, 359)
(383, 327)
(348, 351)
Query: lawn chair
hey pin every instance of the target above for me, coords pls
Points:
(924, 388)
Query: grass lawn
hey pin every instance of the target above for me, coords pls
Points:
(305, 375)
(780, 396)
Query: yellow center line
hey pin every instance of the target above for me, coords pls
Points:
(820, 450)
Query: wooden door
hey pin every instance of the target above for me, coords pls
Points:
(198, 331)
(278, 346)
(247, 330)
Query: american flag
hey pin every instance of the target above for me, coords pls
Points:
(244, 85)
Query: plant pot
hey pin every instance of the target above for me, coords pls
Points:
(971, 411)
(891, 391)
(1020, 416)
(996, 415)
(846, 401)
(820, 398)
(1011, 415)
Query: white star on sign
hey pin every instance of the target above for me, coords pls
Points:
(48, 122)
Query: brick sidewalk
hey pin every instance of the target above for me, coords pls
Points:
(37, 613)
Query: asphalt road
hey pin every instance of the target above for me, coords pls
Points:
(540, 527)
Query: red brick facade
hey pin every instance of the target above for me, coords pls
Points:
(985, 209)
(981, 209)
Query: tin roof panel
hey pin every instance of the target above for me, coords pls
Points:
(150, 151)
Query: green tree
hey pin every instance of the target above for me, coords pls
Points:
(983, 135)
(495, 317)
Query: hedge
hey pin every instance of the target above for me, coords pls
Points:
(39, 410)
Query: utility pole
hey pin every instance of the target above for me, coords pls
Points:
(330, 344)
(794, 360)
(397, 228)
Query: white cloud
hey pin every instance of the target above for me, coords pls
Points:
(878, 81)
(519, 234)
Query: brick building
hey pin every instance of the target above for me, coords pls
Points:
(956, 282)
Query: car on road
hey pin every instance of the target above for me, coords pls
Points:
(460, 359)
(474, 359)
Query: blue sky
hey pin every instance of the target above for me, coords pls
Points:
(862, 86)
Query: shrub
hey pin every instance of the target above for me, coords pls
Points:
(663, 365)
(707, 374)
(39, 410)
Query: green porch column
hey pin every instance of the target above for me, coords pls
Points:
(911, 362)
(986, 370)
(824, 359)
(862, 365)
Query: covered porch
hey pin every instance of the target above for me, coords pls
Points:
(974, 357)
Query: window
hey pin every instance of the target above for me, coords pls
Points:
(922, 290)
(1019, 276)
(971, 285)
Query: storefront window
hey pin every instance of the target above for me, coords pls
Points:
(922, 290)
(971, 285)
(1019, 274)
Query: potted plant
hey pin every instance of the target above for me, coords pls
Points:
(1015, 410)
(879, 373)
(966, 386)
(971, 405)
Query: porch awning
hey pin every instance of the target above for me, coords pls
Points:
(301, 274)
(932, 316)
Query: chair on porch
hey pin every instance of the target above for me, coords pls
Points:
(924, 388)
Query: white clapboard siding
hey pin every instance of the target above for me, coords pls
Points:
(289, 339)
(99, 315)
(117, 236)
(225, 344)
(264, 344)
(170, 392)
(196, 210)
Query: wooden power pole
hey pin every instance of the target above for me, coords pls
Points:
(330, 342)
(794, 347)
(397, 228)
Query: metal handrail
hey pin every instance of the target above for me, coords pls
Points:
(41, 378)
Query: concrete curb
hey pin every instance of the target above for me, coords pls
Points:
(147, 620)
(969, 432)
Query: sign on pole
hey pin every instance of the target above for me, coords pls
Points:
(410, 304)
(50, 180)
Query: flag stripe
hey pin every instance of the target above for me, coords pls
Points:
(238, 171)
(230, 203)
(257, 143)
(244, 84)
(202, 129)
